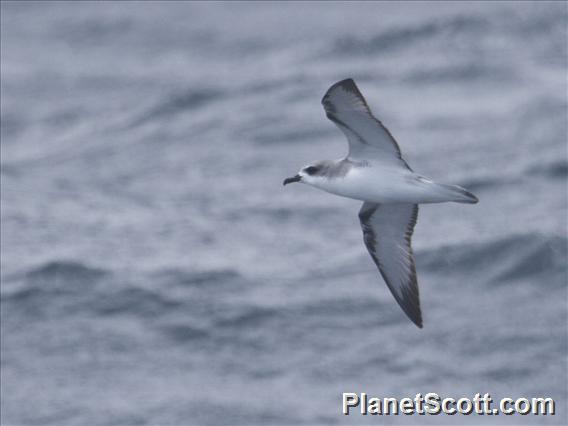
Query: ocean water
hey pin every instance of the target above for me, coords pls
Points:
(155, 271)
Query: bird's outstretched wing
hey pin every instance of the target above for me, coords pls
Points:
(368, 138)
(387, 230)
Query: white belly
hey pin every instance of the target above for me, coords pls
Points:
(383, 185)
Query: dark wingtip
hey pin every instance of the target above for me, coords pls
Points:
(347, 83)
(412, 311)
(415, 316)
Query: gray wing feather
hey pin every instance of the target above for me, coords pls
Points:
(387, 233)
(347, 108)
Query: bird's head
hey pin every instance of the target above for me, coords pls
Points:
(312, 174)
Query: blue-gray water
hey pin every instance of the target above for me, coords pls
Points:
(154, 269)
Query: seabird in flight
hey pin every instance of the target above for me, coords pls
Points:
(375, 172)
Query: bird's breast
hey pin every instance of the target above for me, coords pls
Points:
(375, 185)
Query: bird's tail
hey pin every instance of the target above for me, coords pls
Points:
(457, 194)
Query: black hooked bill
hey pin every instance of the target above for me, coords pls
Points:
(293, 179)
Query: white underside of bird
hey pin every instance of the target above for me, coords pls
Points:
(385, 184)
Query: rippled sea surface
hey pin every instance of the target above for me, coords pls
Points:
(155, 271)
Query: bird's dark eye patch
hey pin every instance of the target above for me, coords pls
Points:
(312, 170)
